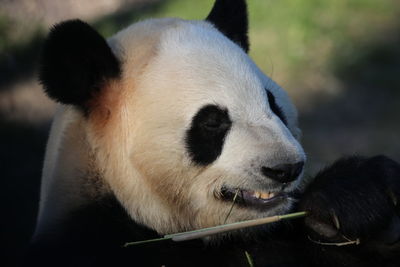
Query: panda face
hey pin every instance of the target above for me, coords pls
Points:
(199, 124)
(184, 123)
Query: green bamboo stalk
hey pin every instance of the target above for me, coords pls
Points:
(249, 259)
(233, 204)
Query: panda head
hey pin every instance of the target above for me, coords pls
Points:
(175, 119)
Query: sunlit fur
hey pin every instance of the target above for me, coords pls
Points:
(132, 143)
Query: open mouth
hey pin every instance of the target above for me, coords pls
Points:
(253, 199)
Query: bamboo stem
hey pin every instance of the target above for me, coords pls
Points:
(233, 204)
(249, 259)
(200, 233)
(230, 227)
(145, 241)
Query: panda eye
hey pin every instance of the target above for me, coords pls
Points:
(207, 132)
(211, 125)
(215, 120)
(212, 118)
(275, 108)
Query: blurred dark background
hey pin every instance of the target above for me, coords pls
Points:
(338, 59)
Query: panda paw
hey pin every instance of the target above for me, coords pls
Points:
(355, 201)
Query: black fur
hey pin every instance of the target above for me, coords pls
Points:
(275, 108)
(76, 61)
(230, 17)
(364, 178)
(362, 193)
(95, 234)
(205, 138)
(355, 189)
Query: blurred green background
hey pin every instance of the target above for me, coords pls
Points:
(339, 60)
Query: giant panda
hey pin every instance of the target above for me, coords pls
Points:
(159, 127)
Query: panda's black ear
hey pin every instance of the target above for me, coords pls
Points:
(76, 62)
(230, 17)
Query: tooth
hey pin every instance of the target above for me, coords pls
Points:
(271, 195)
(265, 195)
(256, 194)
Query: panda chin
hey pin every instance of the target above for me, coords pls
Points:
(259, 200)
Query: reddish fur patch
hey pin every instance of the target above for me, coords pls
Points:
(104, 106)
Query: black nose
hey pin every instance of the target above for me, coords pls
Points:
(283, 173)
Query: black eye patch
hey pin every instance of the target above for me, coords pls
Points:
(207, 132)
(275, 108)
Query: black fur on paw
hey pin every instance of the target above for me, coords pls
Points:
(356, 198)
